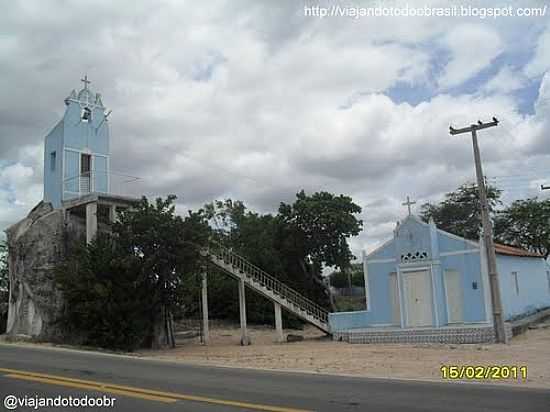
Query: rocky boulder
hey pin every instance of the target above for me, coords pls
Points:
(35, 245)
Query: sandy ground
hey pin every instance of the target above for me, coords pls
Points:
(321, 355)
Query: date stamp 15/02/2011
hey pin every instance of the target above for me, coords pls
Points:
(483, 372)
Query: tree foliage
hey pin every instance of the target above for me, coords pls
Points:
(106, 303)
(341, 279)
(525, 224)
(460, 212)
(295, 244)
(4, 275)
(161, 246)
(119, 289)
(319, 225)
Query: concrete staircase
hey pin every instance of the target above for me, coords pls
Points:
(268, 286)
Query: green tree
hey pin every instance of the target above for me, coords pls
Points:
(525, 224)
(295, 244)
(460, 212)
(120, 290)
(314, 233)
(341, 279)
(253, 236)
(320, 225)
(4, 274)
(106, 302)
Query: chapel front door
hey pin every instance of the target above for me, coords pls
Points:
(418, 298)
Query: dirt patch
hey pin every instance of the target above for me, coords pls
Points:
(318, 354)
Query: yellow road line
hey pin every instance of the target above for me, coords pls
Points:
(92, 388)
(142, 393)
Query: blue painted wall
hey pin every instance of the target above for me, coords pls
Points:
(71, 168)
(53, 171)
(80, 135)
(450, 243)
(379, 293)
(350, 320)
(417, 244)
(534, 289)
(386, 251)
(413, 238)
(101, 167)
(469, 266)
(72, 137)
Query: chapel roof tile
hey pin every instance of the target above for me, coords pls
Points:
(515, 251)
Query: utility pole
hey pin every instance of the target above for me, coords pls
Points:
(204, 303)
(498, 320)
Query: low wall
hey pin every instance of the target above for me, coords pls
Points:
(519, 326)
(448, 335)
(341, 321)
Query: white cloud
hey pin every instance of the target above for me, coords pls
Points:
(541, 60)
(542, 105)
(20, 185)
(472, 48)
(505, 81)
(244, 100)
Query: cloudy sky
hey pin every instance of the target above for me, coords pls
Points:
(257, 100)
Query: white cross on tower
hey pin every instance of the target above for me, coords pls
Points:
(408, 203)
(85, 81)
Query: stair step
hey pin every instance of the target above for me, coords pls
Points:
(294, 302)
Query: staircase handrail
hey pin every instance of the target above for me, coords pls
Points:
(270, 282)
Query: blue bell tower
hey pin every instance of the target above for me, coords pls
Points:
(76, 151)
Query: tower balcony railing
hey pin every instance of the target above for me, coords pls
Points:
(100, 182)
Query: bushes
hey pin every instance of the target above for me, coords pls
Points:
(106, 303)
(119, 289)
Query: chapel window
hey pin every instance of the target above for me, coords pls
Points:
(53, 157)
(86, 114)
(515, 280)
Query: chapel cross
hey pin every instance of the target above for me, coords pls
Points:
(408, 203)
(85, 81)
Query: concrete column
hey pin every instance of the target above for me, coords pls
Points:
(279, 337)
(204, 298)
(245, 341)
(112, 213)
(485, 280)
(366, 278)
(91, 221)
(439, 312)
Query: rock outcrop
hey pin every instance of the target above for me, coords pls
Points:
(35, 245)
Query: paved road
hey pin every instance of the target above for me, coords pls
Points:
(149, 385)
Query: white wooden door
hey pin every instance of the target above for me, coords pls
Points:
(394, 300)
(453, 288)
(418, 298)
